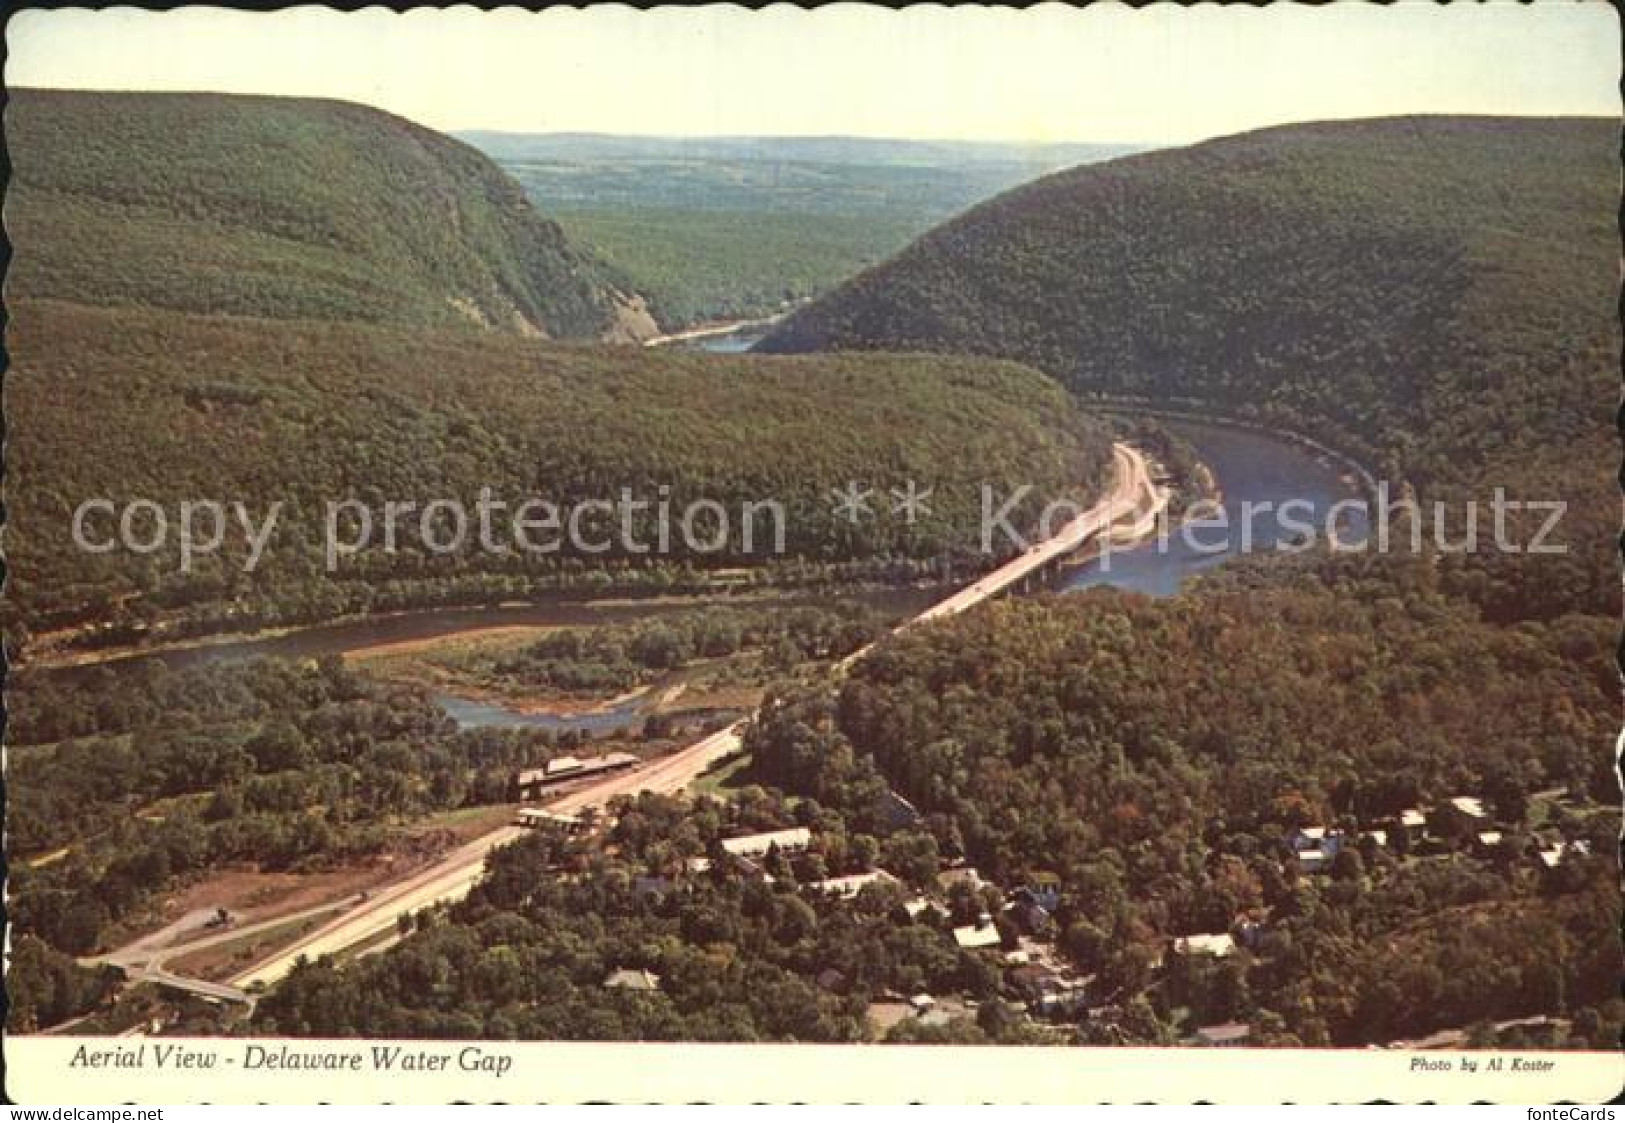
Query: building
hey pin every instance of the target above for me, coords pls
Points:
(850, 886)
(626, 978)
(1315, 847)
(832, 980)
(896, 812)
(1033, 916)
(1063, 998)
(1487, 842)
(1458, 819)
(1220, 945)
(960, 875)
(562, 770)
(1047, 992)
(983, 934)
(1313, 861)
(1225, 1035)
(1470, 806)
(1042, 889)
(1316, 838)
(1551, 857)
(792, 841)
(652, 887)
(1553, 854)
(537, 817)
(917, 907)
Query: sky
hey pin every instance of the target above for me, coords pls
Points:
(1107, 73)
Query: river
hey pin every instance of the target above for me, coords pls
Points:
(1252, 468)
(733, 343)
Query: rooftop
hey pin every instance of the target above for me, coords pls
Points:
(756, 845)
(1224, 1034)
(1219, 944)
(625, 978)
(852, 884)
(1469, 805)
(960, 874)
(977, 936)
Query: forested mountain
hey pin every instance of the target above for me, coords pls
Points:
(285, 208)
(1424, 274)
(128, 403)
(1434, 294)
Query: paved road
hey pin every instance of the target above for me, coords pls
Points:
(449, 879)
(151, 950)
(1132, 496)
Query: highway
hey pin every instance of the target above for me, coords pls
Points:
(1131, 496)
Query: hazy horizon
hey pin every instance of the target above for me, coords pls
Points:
(1106, 74)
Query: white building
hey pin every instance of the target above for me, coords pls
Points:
(1220, 945)
(758, 845)
(1470, 806)
(983, 934)
(851, 885)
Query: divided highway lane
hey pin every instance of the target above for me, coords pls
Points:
(1132, 495)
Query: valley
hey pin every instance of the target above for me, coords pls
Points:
(898, 778)
(727, 228)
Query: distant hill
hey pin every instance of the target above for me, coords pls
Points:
(804, 149)
(286, 208)
(722, 228)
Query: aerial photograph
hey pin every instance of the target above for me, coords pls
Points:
(1082, 527)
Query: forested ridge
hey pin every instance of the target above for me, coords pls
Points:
(132, 403)
(285, 208)
(1433, 294)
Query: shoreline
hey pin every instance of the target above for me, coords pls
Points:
(69, 658)
(66, 657)
(1352, 467)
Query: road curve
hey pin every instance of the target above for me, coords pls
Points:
(1132, 495)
